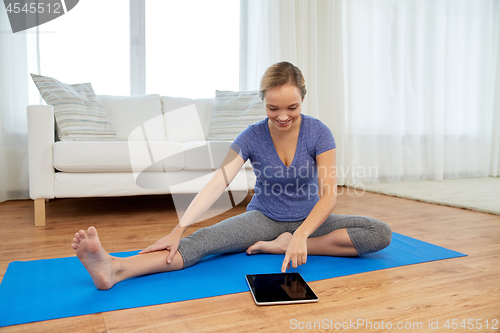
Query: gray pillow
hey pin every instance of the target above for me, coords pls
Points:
(79, 115)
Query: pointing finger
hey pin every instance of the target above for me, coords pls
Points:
(286, 264)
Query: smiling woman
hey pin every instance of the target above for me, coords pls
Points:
(281, 218)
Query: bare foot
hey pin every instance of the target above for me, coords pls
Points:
(277, 246)
(96, 260)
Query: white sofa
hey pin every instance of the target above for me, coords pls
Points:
(161, 149)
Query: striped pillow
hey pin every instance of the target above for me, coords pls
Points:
(78, 114)
(233, 112)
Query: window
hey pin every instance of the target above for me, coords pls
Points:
(90, 43)
(192, 47)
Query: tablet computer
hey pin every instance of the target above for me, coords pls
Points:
(280, 288)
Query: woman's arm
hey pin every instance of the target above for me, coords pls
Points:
(213, 189)
(327, 181)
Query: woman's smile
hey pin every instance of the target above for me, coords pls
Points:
(283, 123)
(283, 107)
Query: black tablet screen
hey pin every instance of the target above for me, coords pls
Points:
(280, 288)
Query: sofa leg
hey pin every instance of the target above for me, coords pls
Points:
(40, 212)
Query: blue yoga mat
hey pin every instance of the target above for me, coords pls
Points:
(58, 288)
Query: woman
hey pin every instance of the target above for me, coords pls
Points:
(293, 157)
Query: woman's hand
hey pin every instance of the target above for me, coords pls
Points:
(296, 252)
(170, 243)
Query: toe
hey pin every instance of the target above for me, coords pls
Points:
(92, 232)
(82, 234)
(253, 249)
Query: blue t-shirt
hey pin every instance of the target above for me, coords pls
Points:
(284, 193)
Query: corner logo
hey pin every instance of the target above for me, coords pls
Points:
(25, 14)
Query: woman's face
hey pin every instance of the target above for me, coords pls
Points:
(283, 105)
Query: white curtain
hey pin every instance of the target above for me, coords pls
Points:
(420, 88)
(409, 88)
(15, 64)
(495, 144)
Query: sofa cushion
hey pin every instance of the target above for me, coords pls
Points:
(206, 155)
(233, 112)
(204, 108)
(78, 114)
(71, 185)
(126, 113)
(183, 125)
(118, 156)
(197, 156)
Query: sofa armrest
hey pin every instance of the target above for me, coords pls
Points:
(40, 144)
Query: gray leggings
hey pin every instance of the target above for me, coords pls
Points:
(239, 232)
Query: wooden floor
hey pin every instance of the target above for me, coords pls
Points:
(416, 296)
